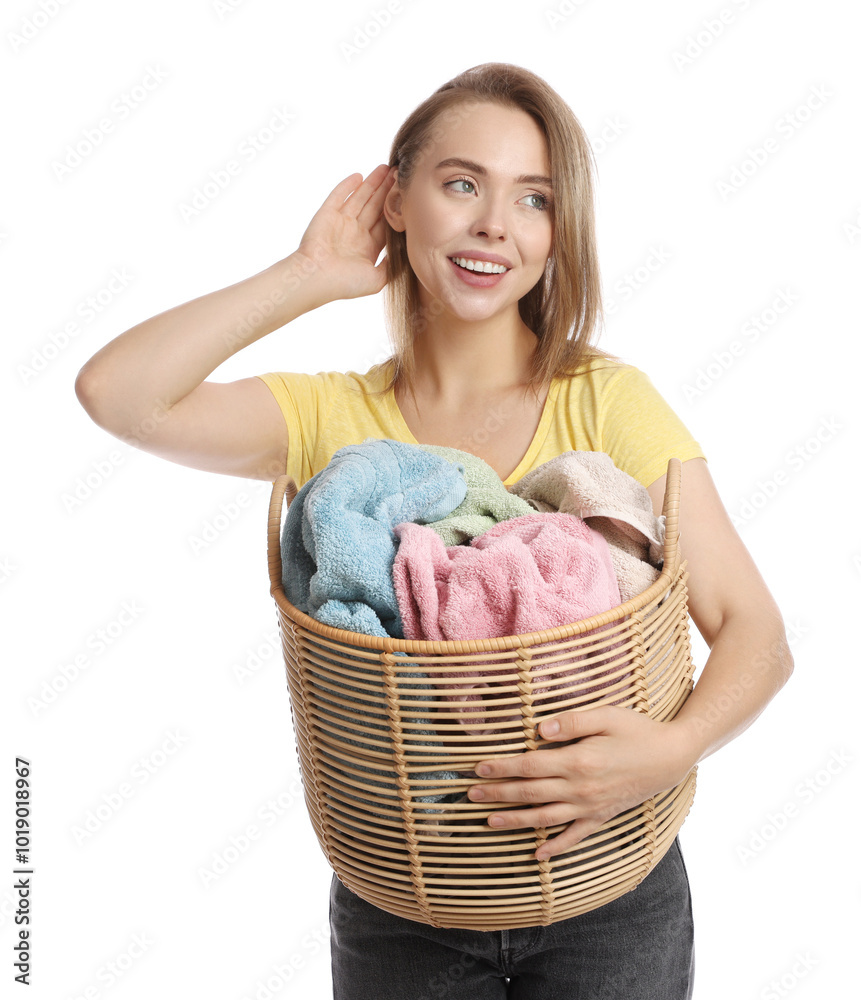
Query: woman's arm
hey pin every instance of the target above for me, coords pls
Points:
(624, 757)
(147, 386)
(729, 602)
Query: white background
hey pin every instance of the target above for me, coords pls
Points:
(771, 861)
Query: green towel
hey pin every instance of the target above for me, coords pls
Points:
(487, 501)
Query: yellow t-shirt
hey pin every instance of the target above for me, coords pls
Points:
(607, 407)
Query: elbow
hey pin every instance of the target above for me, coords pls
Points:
(780, 657)
(87, 393)
(788, 665)
(100, 406)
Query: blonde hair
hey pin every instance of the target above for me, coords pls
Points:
(563, 307)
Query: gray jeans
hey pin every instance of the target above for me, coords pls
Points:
(637, 947)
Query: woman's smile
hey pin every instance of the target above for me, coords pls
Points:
(477, 214)
(478, 278)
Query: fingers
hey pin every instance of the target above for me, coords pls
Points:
(373, 210)
(572, 724)
(569, 838)
(547, 815)
(366, 202)
(335, 198)
(531, 764)
(519, 791)
(378, 231)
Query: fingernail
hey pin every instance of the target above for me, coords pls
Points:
(476, 793)
(549, 728)
(483, 770)
(496, 821)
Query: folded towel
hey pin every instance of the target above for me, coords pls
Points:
(588, 484)
(338, 543)
(524, 575)
(487, 501)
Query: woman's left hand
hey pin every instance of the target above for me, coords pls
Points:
(620, 759)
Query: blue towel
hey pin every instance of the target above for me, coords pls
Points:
(338, 547)
(338, 537)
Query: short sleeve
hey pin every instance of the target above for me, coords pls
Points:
(640, 430)
(305, 401)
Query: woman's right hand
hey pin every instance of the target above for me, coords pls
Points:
(346, 236)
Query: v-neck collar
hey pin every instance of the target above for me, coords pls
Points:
(532, 451)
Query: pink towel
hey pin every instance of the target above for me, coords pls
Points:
(525, 574)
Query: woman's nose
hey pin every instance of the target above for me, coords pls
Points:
(490, 218)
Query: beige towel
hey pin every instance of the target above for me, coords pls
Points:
(588, 485)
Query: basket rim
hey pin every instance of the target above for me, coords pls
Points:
(284, 485)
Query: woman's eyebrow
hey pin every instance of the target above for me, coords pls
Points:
(477, 168)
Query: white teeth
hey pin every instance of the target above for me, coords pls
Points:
(480, 265)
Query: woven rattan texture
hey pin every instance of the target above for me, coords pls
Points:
(388, 732)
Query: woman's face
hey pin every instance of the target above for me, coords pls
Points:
(496, 200)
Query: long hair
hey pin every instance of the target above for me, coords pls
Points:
(563, 307)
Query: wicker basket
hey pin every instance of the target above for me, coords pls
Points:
(387, 756)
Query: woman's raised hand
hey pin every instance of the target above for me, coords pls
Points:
(345, 238)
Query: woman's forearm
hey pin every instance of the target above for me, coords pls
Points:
(156, 363)
(748, 664)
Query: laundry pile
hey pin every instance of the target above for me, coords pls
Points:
(382, 515)
(426, 542)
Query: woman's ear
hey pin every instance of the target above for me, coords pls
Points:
(393, 208)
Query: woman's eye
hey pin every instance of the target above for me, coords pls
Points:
(461, 180)
(543, 201)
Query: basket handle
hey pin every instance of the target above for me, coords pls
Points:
(284, 484)
(672, 492)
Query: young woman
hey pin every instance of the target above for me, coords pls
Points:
(492, 290)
